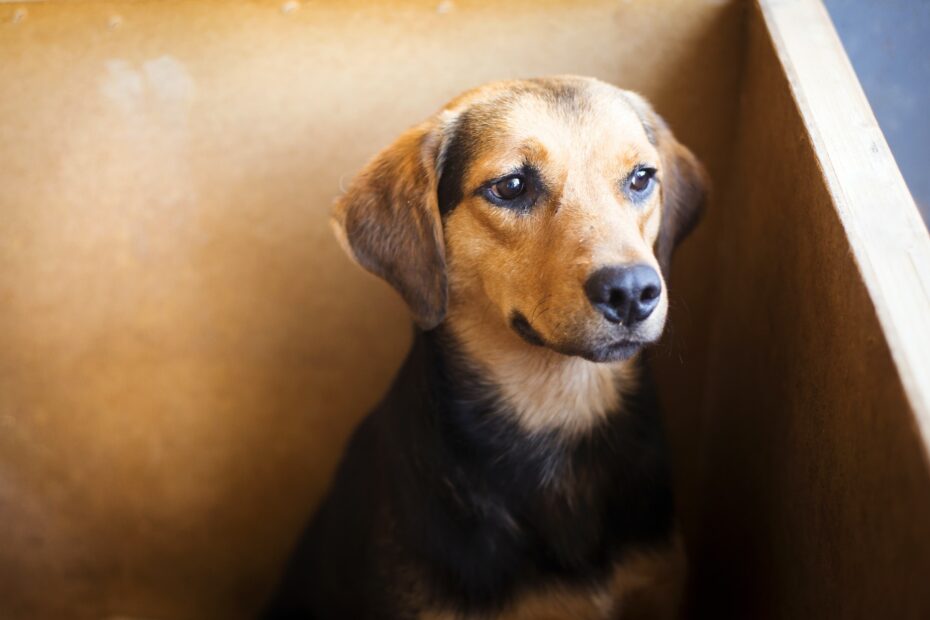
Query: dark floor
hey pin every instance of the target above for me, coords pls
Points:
(888, 42)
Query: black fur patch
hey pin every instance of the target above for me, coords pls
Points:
(455, 158)
(443, 501)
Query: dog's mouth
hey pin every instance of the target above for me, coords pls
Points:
(615, 351)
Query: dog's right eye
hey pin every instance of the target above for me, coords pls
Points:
(509, 188)
(517, 191)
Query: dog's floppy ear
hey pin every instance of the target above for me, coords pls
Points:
(684, 183)
(389, 222)
(684, 188)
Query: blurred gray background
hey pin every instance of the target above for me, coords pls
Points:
(888, 42)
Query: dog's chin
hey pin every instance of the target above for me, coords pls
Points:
(614, 352)
(601, 352)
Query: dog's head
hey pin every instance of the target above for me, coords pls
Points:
(548, 206)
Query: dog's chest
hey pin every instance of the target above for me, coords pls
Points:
(547, 533)
(557, 605)
(513, 523)
(646, 584)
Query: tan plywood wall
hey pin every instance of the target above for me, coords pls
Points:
(184, 348)
(813, 492)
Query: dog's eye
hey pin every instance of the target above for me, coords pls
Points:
(518, 191)
(509, 188)
(641, 180)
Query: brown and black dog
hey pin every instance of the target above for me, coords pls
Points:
(516, 468)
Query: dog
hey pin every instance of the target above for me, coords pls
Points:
(517, 467)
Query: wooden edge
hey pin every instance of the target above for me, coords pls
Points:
(887, 236)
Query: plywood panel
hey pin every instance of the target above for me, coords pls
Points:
(814, 485)
(184, 346)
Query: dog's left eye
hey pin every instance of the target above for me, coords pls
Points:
(641, 180)
(509, 188)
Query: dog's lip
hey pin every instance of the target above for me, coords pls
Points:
(616, 350)
(521, 325)
(621, 349)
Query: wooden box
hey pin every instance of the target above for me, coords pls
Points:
(185, 349)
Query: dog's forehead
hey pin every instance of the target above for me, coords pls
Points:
(565, 117)
(578, 112)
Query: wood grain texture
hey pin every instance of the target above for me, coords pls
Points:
(185, 348)
(885, 231)
(812, 478)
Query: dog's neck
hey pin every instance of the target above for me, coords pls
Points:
(547, 391)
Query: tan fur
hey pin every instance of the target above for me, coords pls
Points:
(546, 390)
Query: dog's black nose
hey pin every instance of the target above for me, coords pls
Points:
(624, 295)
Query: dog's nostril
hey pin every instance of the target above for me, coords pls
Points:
(649, 293)
(617, 297)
